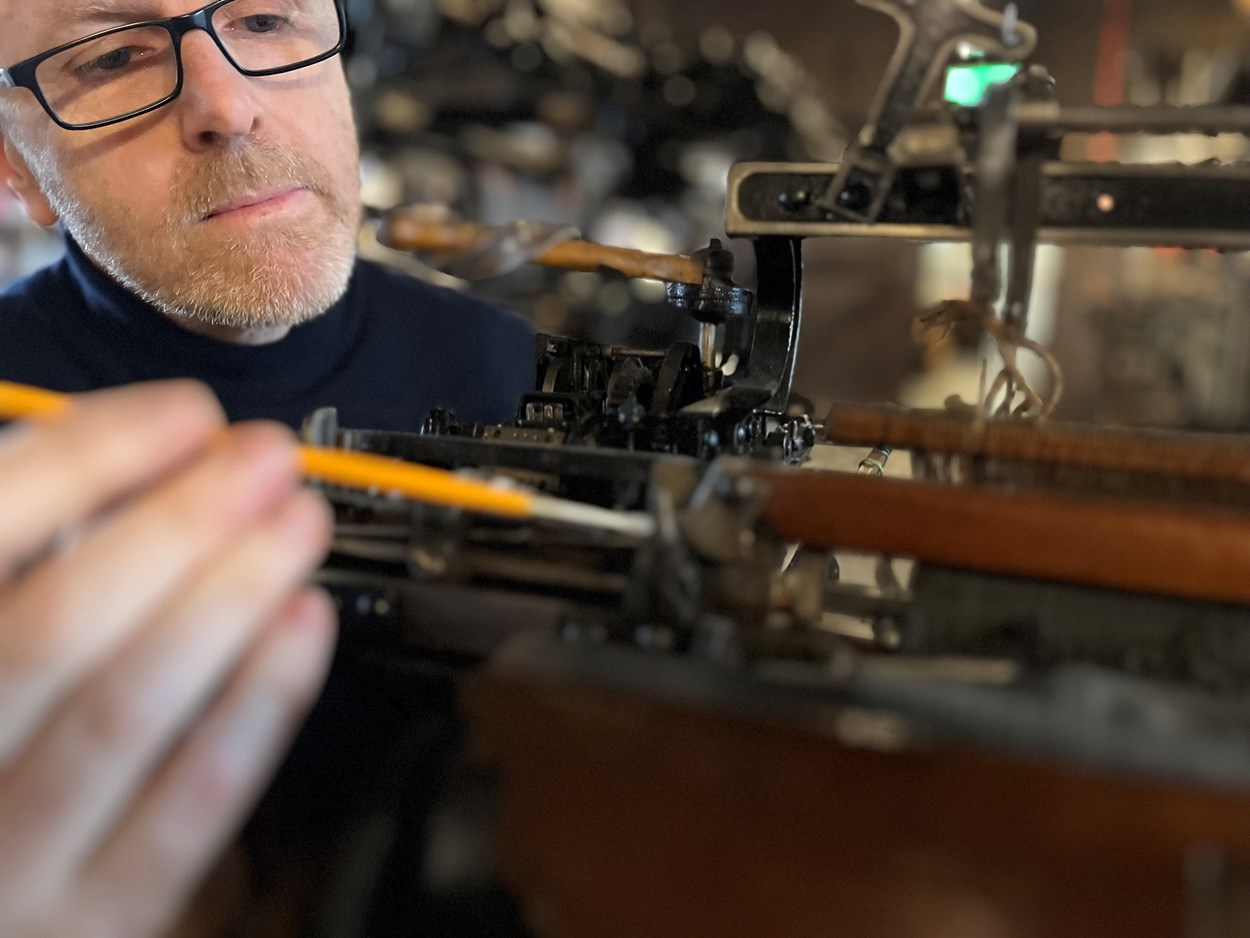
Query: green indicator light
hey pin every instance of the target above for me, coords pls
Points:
(966, 85)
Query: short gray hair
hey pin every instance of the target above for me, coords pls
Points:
(13, 127)
(10, 114)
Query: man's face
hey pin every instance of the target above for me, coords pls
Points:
(235, 205)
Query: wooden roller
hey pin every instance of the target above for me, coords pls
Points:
(1191, 553)
(406, 232)
(1205, 456)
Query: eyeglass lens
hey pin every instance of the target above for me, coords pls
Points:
(133, 68)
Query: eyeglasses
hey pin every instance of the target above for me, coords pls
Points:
(120, 73)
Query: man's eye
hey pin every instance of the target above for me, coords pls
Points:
(112, 61)
(263, 23)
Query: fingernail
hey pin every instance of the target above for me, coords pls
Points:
(306, 520)
(313, 611)
(248, 739)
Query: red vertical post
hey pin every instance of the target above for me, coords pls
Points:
(1114, 37)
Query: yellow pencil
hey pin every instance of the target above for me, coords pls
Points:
(21, 400)
(382, 474)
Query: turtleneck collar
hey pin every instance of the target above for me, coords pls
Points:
(308, 350)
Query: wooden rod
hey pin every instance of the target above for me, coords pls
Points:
(1209, 456)
(406, 233)
(1192, 553)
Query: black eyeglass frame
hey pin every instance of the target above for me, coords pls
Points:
(22, 75)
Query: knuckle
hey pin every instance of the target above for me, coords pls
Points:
(114, 721)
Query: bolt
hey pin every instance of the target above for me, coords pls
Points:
(793, 201)
(856, 197)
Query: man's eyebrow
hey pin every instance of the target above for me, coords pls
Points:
(82, 17)
(101, 11)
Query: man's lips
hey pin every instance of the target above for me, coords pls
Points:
(268, 198)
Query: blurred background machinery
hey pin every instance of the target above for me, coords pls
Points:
(574, 113)
(621, 117)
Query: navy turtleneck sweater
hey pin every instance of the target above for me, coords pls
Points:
(384, 355)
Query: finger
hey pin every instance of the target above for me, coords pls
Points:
(200, 797)
(104, 445)
(72, 610)
(196, 801)
(72, 783)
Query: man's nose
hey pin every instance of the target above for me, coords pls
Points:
(218, 105)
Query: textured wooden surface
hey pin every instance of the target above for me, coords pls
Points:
(625, 816)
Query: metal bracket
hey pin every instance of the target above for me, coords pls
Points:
(1125, 205)
(929, 32)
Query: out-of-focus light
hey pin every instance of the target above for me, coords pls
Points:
(966, 85)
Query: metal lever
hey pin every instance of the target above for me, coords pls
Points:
(929, 31)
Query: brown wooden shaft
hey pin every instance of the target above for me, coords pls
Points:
(586, 255)
(1194, 554)
(1185, 455)
(406, 233)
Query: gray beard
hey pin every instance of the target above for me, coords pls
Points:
(229, 291)
(276, 278)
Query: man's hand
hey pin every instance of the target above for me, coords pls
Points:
(157, 650)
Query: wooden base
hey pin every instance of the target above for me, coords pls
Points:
(629, 815)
